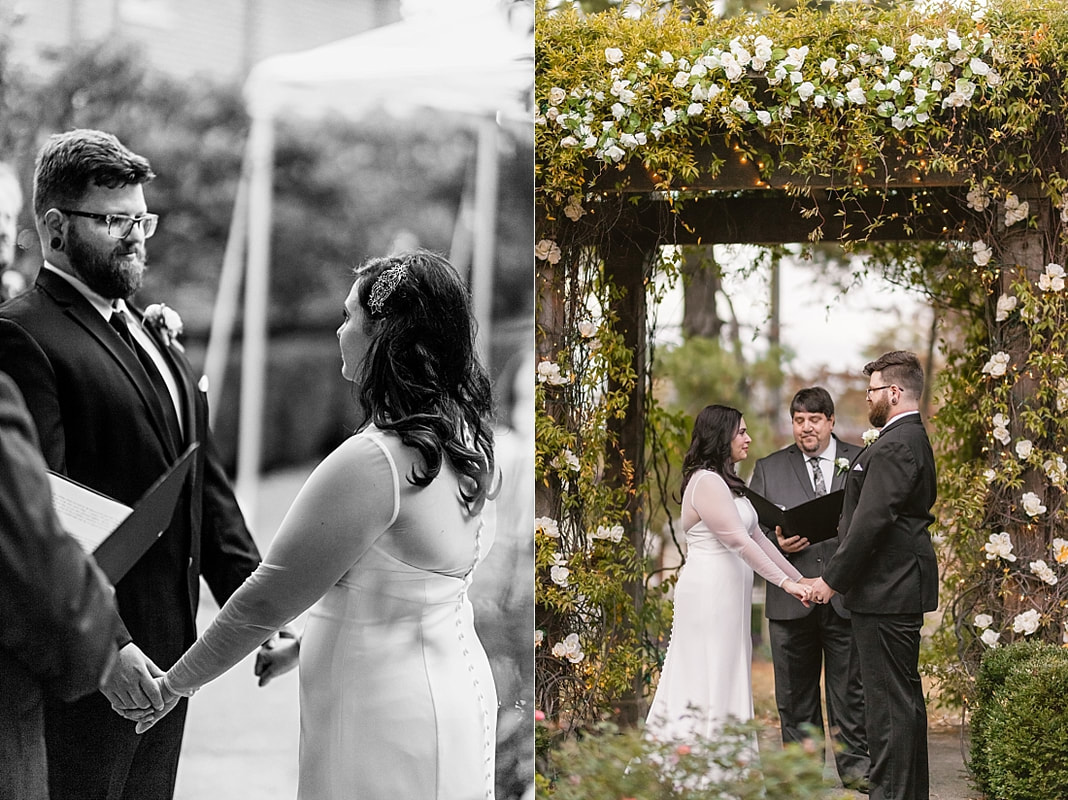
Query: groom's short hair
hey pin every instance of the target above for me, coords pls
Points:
(899, 367)
(813, 400)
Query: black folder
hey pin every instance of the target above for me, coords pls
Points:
(815, 520)
(149, 518)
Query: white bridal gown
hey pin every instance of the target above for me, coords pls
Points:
(396, 695)
(707, 674)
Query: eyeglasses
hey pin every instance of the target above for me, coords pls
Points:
(120, 225)
(870, 389)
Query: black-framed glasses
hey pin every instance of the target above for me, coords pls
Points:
(120, 225)
(870, 389)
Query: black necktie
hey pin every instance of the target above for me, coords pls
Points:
(163, 394)
(817, 476)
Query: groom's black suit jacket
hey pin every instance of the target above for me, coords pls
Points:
(99, 423)
(783, 478)
(885, 563)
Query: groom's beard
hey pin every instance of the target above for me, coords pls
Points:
(114, 274)
(879, 412)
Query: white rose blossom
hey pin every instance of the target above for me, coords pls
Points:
(1043, 571)
(539, 637)
(1056, 471)
(549, 372)
(983, 620)
(978, 200)
(1026, 622)
(1062, 394)
(1052, 280)
(869, 436)
(587, 329)
(990, 637)
(981, 253)
(547, 250)
(613, 55)
(1006, 305)
(1032, 504)
(559, 573)
(1060, 550)
(548, 526)
(613, 533)
(1015, 211)
(569, 648)
(998, 365)
(1023, 448)
(999, 545)
(989, 475)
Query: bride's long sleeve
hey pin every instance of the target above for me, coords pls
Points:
(349, 500)
(714, 502)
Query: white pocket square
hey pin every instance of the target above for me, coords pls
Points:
(203, 384)
(858, 468)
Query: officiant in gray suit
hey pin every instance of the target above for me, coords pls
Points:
(808, 641)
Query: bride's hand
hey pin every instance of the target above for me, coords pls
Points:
(277, 656)
(801, 591)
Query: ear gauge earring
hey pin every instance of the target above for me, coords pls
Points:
(56, 243)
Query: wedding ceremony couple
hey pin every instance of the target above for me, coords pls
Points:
(396, 694)
(852, 605)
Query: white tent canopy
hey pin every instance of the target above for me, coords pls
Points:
(465, 57)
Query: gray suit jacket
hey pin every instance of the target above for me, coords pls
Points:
(783, 478)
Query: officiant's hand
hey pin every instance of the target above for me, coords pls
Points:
(130, 683)
(276, 656)
(790, 544)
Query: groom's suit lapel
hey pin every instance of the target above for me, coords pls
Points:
(77, 308)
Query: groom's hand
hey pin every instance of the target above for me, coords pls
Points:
(130, 683)
(276, 656)
(821, 592)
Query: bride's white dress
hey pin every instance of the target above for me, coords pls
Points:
(707, 674)
(396, 694)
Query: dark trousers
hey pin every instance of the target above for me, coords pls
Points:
(889, 648)
(94, 754)
(802, 649)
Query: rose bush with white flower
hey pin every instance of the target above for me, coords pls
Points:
(1026, 622)
(1032, 504)
(999, 545)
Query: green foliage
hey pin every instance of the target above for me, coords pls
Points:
(1020, 729)
(606, 763)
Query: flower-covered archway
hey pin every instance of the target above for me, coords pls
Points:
(888, 127)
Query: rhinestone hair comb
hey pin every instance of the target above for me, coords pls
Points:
(384, 285)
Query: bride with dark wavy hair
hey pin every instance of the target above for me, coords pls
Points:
(396, 694)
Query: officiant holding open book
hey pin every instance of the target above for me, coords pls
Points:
(115, 403)
(808, 640)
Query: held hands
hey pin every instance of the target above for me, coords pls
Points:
(791, 544)
(277, 656)
(798, 589)
(821, 592)
(130, 683)
(147, 717)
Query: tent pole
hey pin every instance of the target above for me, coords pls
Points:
(257, 284)
(225, 311)
(485, 246)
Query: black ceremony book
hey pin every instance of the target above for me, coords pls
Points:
(116, 535)
(815, 520)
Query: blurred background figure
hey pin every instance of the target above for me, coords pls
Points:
(58, 621)
(12, 282)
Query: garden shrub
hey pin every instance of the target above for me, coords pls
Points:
(609, 763)
(1020, 728)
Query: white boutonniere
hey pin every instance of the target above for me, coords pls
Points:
(870, 435)
(165, 320)
(842, 465)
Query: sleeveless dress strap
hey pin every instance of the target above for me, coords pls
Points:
(377, 436)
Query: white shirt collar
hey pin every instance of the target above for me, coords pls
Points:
(896, 417)
(99, 302)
